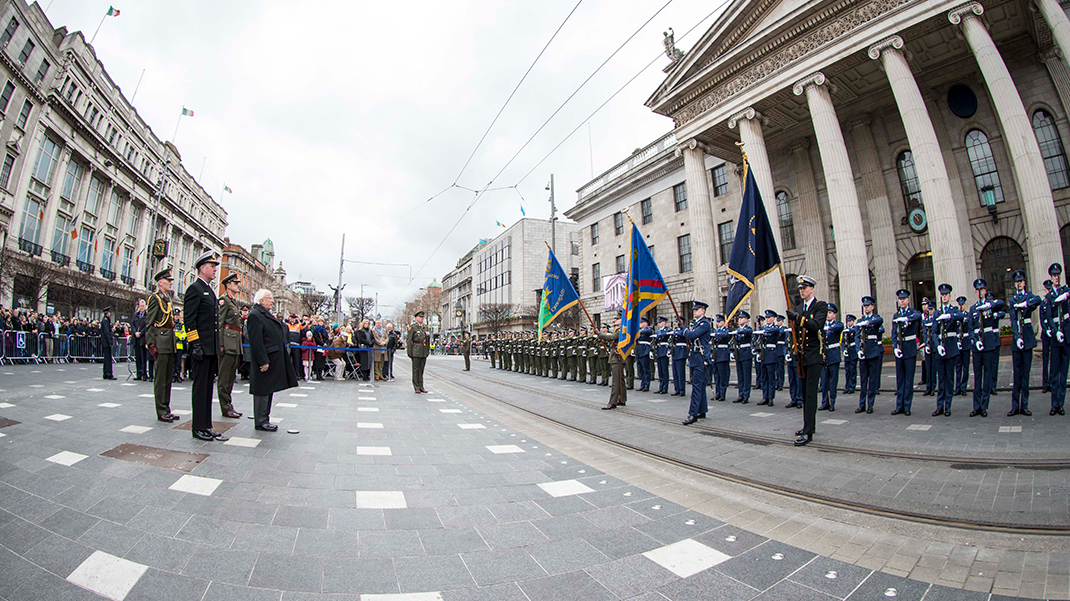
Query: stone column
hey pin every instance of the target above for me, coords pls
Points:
(703, 245)
(1034, 192)
(1060, 74)
(809, 229)
(1057, 21)
(770, 288)
(843, 197)
(949, 255)
(881, 231)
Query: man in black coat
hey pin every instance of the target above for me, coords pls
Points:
(200, 309)
(138, 329)
(808, 320)
(107, 340)
(270, 368)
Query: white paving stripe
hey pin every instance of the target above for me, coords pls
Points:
(1006, 429)
(504, 448)
(450, 411)
(178, 388)
(2, 435)
(300, 396)
(565, 488)
(94, 390)
(921, 427)
(237, 441)
(373, 451)
(762, 414)
(196, 485)
(123, 384)
(367, 409)
(835, 422)
(148, 396)
(57, 417)
(370, 425)
(657, 400)
(381, 499)
(365, 398)
(110, 405)
(431, 596)
(6, 405)
(436, 400)
(472, 426)
(135, 429)
(57, 396)
(181, 412)
(686, 558)
(286, 405)
(107, 575)
(37, 385)
(67, 458)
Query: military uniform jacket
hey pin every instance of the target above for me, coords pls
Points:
(610, 338)
(160, 324)
(870, 329)
(984, 324)
(833, 336)
(699, 335)
(107, 335)
(850, 344)
(744, 336)
(680, 346)
(808, 326)
(230, 325)
(417, 341)
(466, 346)
(646, 335)
(721, 339)
(664, 342)
(201, 318)
(906, 327)
(1022, 305)
(943, 331)
(1058, 317)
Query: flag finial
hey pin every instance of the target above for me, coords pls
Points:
(742, 151)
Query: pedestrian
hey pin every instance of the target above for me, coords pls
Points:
(1059, 328)
(337, 357)
(391, 347)
(202, 334)
(379, 340)
(906, 328)
(466, 348)
(107, 340)
(417, 347)
(871, 353)
(230, 323)
(807, 320)
(160, 342)
(698, 337)
(984, 335)
(1022, 305)
(272, 370)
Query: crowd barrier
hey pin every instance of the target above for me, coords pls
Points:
(27, 347)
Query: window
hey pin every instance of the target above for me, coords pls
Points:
(985, 175)
(24, 114)
(1051, 148)
(618, 223)
(31, 221)
(720, 180)
(727, 236)
(26, 50)
(128, 260)
(134, 221)
(683, 244)
(621, 267)
(594, 233)
(908, 180)
(109, 255)
(787, 222)
(12, 26)
(92, 202)
(596, 277)
(41, 71)
(85, 244)
(46, 160)
(115, 210)
(5, 97)
(5, 172)
(61, 234)
(72, 181)
(71, 89)
(679, 194)
(647, 208)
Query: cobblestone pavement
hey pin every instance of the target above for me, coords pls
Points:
(389, 495)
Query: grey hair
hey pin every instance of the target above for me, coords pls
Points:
(260, 294)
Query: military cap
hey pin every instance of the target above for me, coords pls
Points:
(175, 311)
(107, 309)
(718, 317)
(1055, 269)
(850, 317)
(961, 300)
(989, 295)
(980, 283)
(662, 318)
(902, 293)
(929, 303)
(743, 314)
(770, 313)
(699, 305)
(1018, 275)
(832, 307)
(805, 280)
(419, 314)
(944, 288)
(644, 319)
(163, 274)
(230, 278)
(779, 317)
(1048, 285)
(208, 257)
(868, 300)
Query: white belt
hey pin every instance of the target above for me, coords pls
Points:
(912, 337)
(872, 336)
(833, 345)
(681, 344)
(744, 345)
(664, 343)
(1028, 320)
(951, 334)
(722, 346)
(991, 330)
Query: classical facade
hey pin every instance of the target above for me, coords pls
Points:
(86, 186)
(252, 272)
(910, 142)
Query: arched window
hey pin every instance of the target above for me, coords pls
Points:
(920, 278)
(787, 222)
(1000, 257)
(985, 176)
(908, 180)
(1051, 148)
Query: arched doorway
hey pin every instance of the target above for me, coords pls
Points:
(920, 278)
(999, 259)
(1064, 234)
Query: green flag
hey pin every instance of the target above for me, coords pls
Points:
(558, 293)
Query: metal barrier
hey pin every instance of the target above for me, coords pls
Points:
(83, 348)
(52, 348)
(19, 347)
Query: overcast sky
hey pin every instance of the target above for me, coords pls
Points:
(346, 117)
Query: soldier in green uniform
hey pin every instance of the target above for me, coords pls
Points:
(630, 369)
(618, 396)
(581, 356)
(492, 350)
(418, 347)
(592, 356)
(555, 341)
(603, 356)
(506, 352)
(160, 323)
(569, 371)
(230, 335)
(518, 352)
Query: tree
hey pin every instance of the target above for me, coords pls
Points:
(315, 303)
(496, 316)
(360, 307)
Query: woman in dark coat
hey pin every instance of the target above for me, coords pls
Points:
(270, 370)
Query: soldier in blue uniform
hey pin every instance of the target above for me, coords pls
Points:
(850, 354)
(928, 308)
(698, 337)
(984, 335)
(758, 350)
(1022, 305)
(1045, 340)
(781, 351)
(962, 366)
(771, 335)
(642, 349)
(663, 340)
(679, 360)
(1059, 326)
(743, 335)
(832, 338)
(944, 344)
(906, 328)
(722, 340)
(871, 353)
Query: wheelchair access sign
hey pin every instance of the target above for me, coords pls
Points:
(20, 340)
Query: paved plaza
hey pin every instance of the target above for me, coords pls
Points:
(456, 495)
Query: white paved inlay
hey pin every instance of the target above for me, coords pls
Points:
(498, 449)
(762, 414)
(2, 435)
(436, 400)
(1005, 429)
(123, 384)
(135, 429)
(294, 394)
(37, 385)
(365, 398)
(58, 396)
(181, 412)
(66, 458)
(110, 405)
(237, 441)
(922, 427)
(107, 575)
(835, 422)
(450, 411)
(472, 426)
(435, 596)
(373, 451)
(686, 558)
(196, 485)
(565, 488)
(178, 388)
(370, 425)
(657, 400)
(367, 408)
(94, 390)
(6, 405)
(148, 396)
(286, 405)
(57, 417)
(381, 499)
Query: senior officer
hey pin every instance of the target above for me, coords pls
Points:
(906, 326)
(807, 320)
(1059, 326)
(418, 347)
(230, 335)
(984, 334)
(1022, 305)
(698, 336)
(202, 335)
(160, 339)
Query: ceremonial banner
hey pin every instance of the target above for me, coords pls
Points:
(754, 252)
(646, 288)
(558, 293)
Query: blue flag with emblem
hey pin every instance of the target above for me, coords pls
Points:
(558, 293)
(646, 288)
(754, 252)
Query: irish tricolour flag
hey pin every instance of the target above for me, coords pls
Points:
(187, 112)
(113, 12)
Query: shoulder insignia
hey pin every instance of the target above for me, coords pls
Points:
(220, 302)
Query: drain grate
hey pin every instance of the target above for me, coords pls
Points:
(4, 422)
(165, 458)
(217, 426)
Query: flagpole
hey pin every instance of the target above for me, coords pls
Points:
(667, 293)
(97, 31)
(582, 306)
(177, 123)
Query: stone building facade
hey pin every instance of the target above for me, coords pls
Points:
(456, 300)
(86, 186)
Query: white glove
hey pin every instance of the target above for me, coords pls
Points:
(732, 356)
(1021, 305)
(898, 353)
(1020, 343)
(1062, 297)
(943, 317)
(1059, 336)
(979, 345)
(940, 350)
(900, 319)
(984, 307)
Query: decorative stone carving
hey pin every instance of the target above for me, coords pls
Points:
(747, 113)
(956, 15)
(814, 79)
(875, 50)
